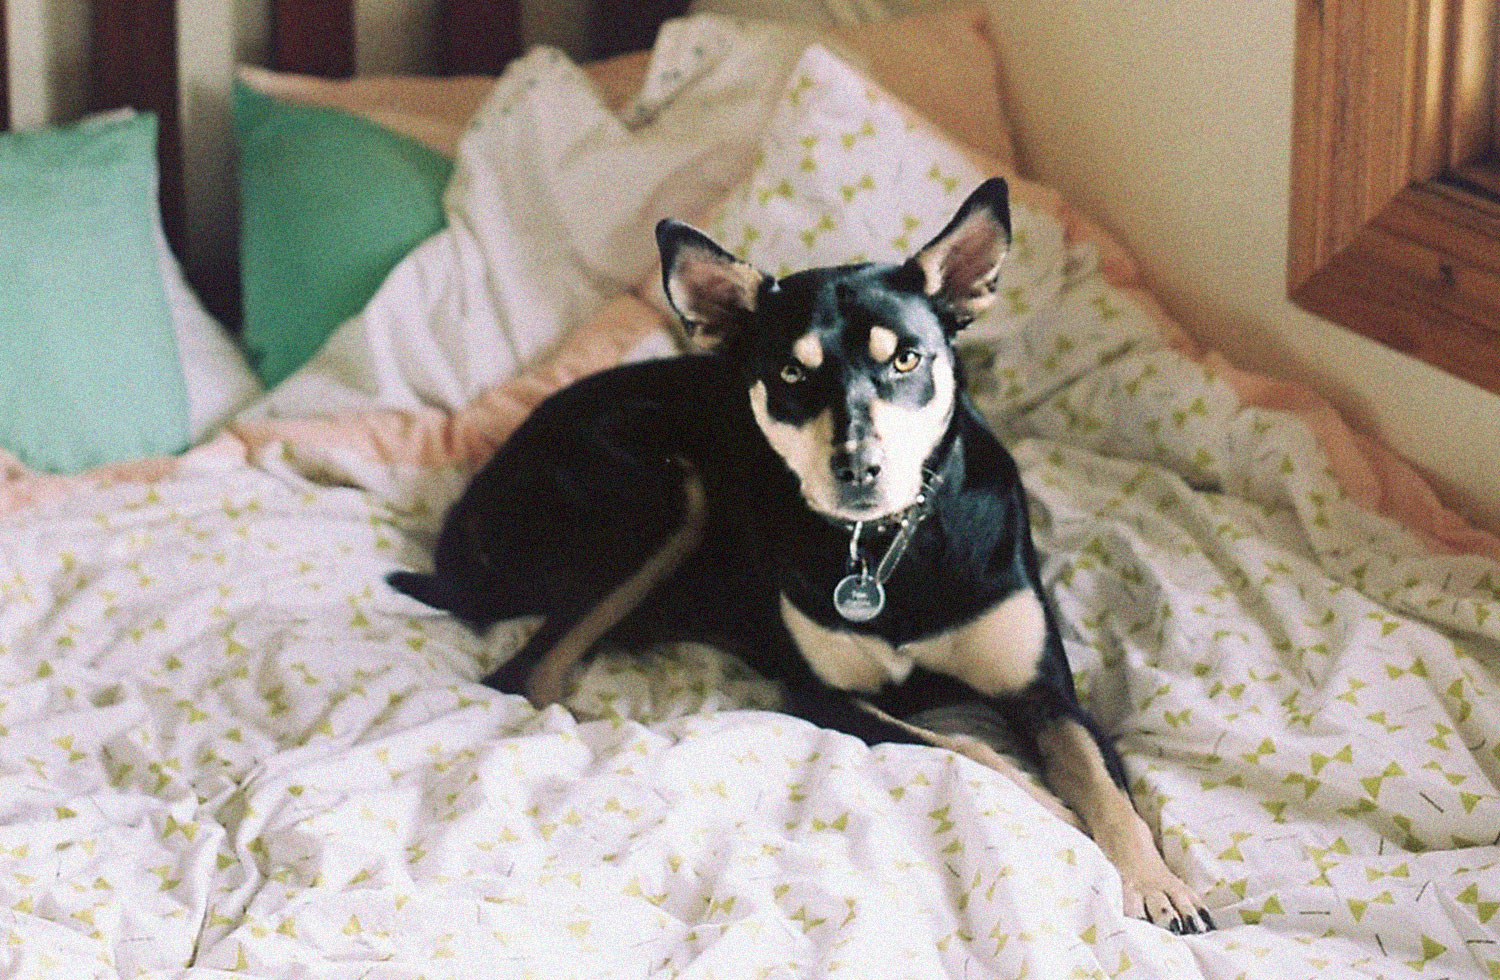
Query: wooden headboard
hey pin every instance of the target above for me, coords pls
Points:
(4, 74)
(133, 62)
(316, 37)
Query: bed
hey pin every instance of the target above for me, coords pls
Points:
(226, 748)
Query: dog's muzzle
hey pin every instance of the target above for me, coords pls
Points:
(856, 467)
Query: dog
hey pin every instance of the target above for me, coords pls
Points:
(812, 491)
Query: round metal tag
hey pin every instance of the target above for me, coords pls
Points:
(859, 598)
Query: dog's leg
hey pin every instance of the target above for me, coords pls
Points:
(1083, 769)
(1078, 764)
(828, 707)
(1081, 766)
(540, 668)
(985, 754)
(950, 714)
(805, 695)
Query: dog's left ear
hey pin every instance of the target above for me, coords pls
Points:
(714, 292)
(960, 268)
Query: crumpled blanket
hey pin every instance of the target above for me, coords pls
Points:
(226, 747)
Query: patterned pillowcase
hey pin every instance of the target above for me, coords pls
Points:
(845, 174)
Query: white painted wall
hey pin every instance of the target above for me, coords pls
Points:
(1171, 123)
(1168, 121)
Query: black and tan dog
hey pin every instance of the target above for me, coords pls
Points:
(814, 493)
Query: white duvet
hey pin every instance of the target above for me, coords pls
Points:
(227, 748)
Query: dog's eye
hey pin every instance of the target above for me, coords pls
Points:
(906, 360)
(792, 373)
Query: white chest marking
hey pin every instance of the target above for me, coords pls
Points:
(995, 653)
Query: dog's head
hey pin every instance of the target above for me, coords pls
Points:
(850, 369)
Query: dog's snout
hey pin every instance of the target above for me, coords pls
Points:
(857, 466)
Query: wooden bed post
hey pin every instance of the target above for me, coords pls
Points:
(313, 37)
(4, 74)
(478, 37)
(618, 26)
(135, 64)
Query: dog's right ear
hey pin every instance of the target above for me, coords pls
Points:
(714, 292)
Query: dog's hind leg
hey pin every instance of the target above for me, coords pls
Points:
(511, 677)
(540, 668)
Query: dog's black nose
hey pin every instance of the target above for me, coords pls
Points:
(856, 468)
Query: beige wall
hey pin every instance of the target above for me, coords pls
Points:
(1167, 120)
(1171, 123)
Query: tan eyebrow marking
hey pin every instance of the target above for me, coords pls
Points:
(808, 350)
(883, 343)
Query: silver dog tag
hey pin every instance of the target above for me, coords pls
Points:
(859, 597)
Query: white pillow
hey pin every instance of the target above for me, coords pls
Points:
(218, 378)
(847, 173)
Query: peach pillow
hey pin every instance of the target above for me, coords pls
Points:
(942, 64)
(432, 110)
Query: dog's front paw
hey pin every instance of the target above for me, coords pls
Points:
(1160, 897)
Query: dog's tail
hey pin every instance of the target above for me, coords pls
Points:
(546, 681)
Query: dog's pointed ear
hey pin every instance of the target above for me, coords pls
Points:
(960, 268)
(712, 291)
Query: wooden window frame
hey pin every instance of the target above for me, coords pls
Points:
(1395, 194)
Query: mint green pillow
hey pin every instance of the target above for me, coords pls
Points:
(89, 369)
(329, 203)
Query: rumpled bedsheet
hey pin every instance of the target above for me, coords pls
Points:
(227, 748)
